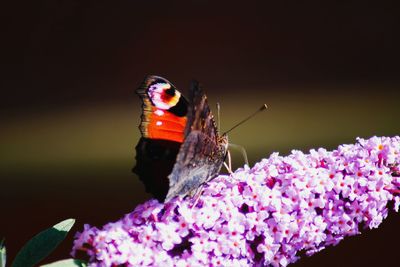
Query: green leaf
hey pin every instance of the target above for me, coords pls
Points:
(2, 254)
(41, 245)
(66, 263)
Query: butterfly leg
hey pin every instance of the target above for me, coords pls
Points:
(242, 150)
(197, 195)
(229, 165)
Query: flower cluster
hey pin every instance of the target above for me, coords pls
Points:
(266, 215)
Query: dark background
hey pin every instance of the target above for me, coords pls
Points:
(329, 73)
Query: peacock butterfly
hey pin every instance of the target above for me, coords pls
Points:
(180, 148)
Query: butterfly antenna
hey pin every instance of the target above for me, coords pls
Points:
(218, 116)
(262, 108)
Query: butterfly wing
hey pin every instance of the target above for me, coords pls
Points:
(203, 151)
(155, 159)
(164, 110)
(162, 126)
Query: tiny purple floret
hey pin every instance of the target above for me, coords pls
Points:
(270, 214)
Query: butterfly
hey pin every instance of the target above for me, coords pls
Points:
(180, 148)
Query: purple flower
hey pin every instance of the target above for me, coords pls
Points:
(266, 215)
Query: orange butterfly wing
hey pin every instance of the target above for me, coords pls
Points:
(164, 110)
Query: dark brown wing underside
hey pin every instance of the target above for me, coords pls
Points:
(202, 154)
(201, 161)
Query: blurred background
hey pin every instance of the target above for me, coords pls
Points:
(328, 72)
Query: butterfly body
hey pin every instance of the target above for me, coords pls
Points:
(180, 144)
